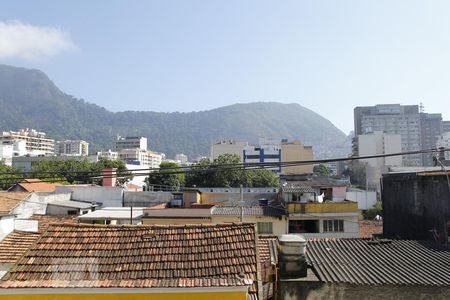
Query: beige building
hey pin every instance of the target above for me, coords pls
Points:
(228, 147)
(141, 157)
(296, 151)
(37, 142)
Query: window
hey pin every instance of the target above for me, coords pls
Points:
(265, 227)
(72, 212)
(303, 226)
(333, 225)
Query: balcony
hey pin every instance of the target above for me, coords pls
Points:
(325, 207)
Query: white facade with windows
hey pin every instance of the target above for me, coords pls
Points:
(444, 141)
(72, 148)
(36, 143)
(130, 142)
(141, 157)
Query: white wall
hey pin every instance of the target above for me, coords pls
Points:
(36, 203)
(6, 226)
(106, 196)
(365, 199)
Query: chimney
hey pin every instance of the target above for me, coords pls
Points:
(291, 256)
(109, 177)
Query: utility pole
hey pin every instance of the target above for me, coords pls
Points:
(242, 203)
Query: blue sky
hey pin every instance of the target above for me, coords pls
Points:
(328, 56)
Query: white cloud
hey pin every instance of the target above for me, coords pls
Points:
(20, 40)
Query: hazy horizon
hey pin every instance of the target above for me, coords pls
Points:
(194, 55)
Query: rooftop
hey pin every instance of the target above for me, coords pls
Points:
(139, 256)
(113, 213)
(15, 244)
(36, 185)
(376, 262)
(72, 204)
(248, 211)
(9, 200)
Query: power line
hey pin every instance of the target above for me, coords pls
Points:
(198, 168)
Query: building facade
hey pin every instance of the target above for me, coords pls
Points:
(431, 129)
(37, 142)
(296, 151)
(130, 142)
(228, 147)
(140, 157)
(444, 141)
(266, 152)
(379, 143)
(72, 148)
(445, 126)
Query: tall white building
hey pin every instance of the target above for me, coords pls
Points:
(140, 157)
(110, 155)
(379, 143)
(181, 158)
(267, 151)
(37, 142)
(130, 142)
(72, 148)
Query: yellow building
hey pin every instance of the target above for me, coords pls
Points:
(296, 151)
(139, 262)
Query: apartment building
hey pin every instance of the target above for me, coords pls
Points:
(445, 126)
(140, 157)
(444, 141)
(72, 148)
(379, 143)
(431, 129)
(37, 142)
(130, 142)
(267, 151)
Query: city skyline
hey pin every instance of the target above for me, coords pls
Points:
(197, 56)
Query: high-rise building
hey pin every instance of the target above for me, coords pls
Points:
(444, 141)
(431, 130)
(379, 143)
(37, 142)
(72, 148)
(417, 130)
(130, 142)
(445, 126)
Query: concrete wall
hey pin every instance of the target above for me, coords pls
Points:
(107, 196)
(36, 203)
(351, 226)
(300, 290)
(279, 226)
(6, 226)
(414, 204)
(146, 199)
(365, 199)
(57, 210)
(231, 198)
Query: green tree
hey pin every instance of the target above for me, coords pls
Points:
(321, 170)
(372, 212)
(8, 176)
(169, 176)
(226, 171)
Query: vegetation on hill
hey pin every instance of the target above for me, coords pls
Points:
(28, 98)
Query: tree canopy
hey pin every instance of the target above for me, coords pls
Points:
(225, 171)
(169, 177)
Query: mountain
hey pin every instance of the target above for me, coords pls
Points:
(29, 99)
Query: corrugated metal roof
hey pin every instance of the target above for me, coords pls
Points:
(364, 261)
(248, 211)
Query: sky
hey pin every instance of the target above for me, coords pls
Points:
(188, 55)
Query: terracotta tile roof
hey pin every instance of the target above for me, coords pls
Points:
(267, 246)
(15, 244)
(379, 262)
(35, 185)
(9, 200)
(139, 256)
(368, 228)
(44, 221)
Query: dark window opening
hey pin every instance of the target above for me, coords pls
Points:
(303, 226)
